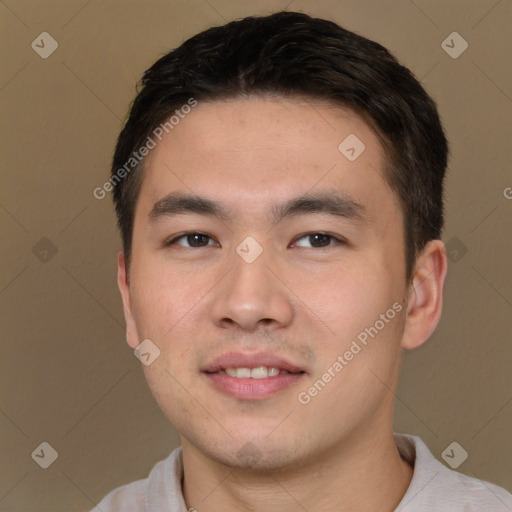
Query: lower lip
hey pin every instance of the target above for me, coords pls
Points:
(253, 389)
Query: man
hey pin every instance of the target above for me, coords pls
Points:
(278, 187)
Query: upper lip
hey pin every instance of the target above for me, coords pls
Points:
(241, 360)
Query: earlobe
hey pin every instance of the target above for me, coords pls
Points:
(425, 298)
(132, 337)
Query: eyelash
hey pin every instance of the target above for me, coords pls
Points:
(333, 238)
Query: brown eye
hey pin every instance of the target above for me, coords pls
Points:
(316, 240)
(192, 240)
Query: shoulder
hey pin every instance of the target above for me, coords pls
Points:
(129, 498)
(434, 487)
(163, 482)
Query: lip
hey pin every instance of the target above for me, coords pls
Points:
(252, 389)
(241, 360)
(247, 388)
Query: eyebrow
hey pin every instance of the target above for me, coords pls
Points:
(328, 202)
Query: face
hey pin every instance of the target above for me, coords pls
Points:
(258, 243)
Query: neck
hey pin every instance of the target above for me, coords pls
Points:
(366, 472)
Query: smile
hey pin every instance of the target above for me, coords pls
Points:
(259, 372)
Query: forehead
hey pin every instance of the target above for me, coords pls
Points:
(251, 152)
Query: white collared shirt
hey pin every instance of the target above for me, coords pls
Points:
(433, 488)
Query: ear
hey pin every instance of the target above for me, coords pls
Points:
(425, 297)
(132, 337)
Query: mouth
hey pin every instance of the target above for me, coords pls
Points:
(258, 372)
(252, 376)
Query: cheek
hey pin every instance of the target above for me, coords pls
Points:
(163, 297)
(348, 301)
(166, 303)
(358, 368)
(363, 326)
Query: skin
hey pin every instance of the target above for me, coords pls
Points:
(304, 303)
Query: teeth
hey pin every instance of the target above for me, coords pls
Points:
(242, 373)
(259, 372)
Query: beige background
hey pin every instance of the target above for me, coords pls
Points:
(67, 376)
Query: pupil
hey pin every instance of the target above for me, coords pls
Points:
(319, 240)
(197, 240)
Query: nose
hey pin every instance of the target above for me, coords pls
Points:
(251, 297)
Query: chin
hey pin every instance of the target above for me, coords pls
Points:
(250, 457)
(254, 453)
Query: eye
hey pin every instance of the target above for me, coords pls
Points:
(317, 240)
(192, 240)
